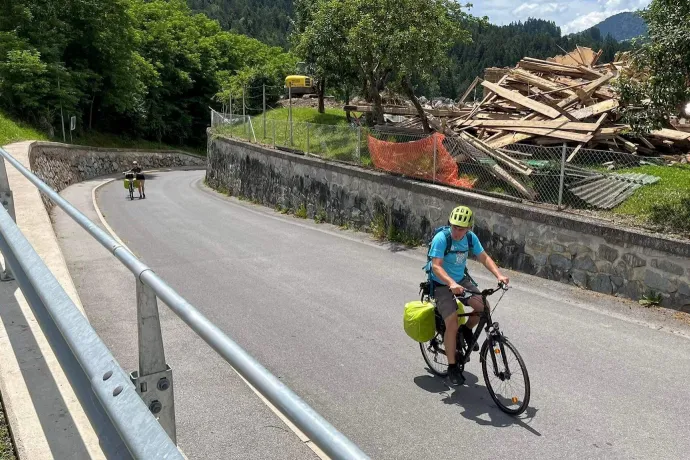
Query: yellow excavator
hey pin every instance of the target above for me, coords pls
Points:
(300, 84)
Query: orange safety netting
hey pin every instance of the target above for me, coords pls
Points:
(416, 159)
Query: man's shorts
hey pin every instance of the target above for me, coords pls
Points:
(445, 302)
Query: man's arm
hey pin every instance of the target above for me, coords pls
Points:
(440, 272)
(490, 265)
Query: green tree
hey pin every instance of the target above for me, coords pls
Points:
(382, 41)
(659, 84)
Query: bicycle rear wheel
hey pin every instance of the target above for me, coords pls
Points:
(434, 354)
(505, 375)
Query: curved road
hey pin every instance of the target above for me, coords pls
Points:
(321, 308)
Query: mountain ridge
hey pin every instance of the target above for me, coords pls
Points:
(622, 26)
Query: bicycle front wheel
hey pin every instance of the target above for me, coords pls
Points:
(434, 354)
(505, 375)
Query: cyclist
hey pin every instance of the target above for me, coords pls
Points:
(139, 176)
(449, 277)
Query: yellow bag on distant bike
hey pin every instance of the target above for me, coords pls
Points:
(418, 320)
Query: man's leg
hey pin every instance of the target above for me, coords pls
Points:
(447, 307)
(449, 338)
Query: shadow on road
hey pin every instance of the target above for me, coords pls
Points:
(475, 401)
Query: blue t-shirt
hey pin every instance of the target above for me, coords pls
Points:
(454, 263)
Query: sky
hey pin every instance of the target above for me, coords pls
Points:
(570, 15)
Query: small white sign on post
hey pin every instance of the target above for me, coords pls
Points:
(72, 126)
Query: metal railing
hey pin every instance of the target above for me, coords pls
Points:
(153, 382)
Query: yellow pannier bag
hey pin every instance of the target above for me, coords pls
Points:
(418, 320)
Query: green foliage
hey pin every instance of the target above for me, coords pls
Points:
(11, 131)
(301, 211)
(657, 87)
(653, 299)
(378, 226)
(268, 21)
(379, 40)
(135, 67)
(321, 216)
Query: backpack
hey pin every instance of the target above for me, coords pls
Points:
(449, 243)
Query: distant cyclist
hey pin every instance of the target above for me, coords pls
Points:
(449, 277)
(139, 176)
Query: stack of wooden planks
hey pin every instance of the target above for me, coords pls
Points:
(568, 98)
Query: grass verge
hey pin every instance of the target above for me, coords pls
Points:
(666, 203)
(326, 135)
(12, 131)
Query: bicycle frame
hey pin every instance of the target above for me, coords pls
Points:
(493, 331)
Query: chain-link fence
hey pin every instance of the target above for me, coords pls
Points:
(611, 185)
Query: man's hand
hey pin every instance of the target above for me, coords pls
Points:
(456, 289)
(503, 279)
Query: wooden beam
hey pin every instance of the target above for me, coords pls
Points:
(595, 109)
(508, 124)
(469, 89)
(596, 127)
(522, 100)
(541, 83)
(557, 133)
(672, 134)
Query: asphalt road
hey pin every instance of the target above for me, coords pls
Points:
(321, 308)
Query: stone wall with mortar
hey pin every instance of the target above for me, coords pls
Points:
(557, 246)
(61, 165)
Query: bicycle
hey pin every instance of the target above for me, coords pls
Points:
(504, 370)
(129, 183)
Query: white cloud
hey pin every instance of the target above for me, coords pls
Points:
(586, 21)
(525, 7)
(571, 16)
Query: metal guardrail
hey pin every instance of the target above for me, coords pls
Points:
(153, 382)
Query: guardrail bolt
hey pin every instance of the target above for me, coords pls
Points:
(107, 375)
(156, 407)
(163, 384)
(117, 390)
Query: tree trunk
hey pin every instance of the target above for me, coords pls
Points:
(91, 111)
(407, 86)
(376, 99)
(321, 89)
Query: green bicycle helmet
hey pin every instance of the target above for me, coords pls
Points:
(461, 217)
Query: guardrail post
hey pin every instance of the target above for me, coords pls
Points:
(153, 381)
(8, 203)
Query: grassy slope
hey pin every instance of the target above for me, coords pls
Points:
(11, 131)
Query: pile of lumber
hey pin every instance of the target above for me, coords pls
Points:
(565, 99)
(568, 98)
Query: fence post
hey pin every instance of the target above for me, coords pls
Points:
(244, 115)
(560, 187)
(230, 115)
(307, 137)
(433, 177)
(264, 108)
(153, 381)
(290, 111)
(8, 202)
(359, 144)
(274, 133)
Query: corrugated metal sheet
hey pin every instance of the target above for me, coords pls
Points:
(606, 191)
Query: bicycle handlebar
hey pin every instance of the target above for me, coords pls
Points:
(485, 293)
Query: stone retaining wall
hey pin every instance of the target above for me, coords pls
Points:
(61, 165)
(557, 246)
